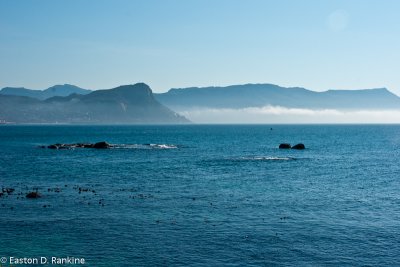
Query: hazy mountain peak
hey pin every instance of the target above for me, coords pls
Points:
(56, 90)
(373, 92)
(63, 87)
(134, 87)
(261, 95)
(13, 88)
(139, 94)
(124, 104)
(382, 89)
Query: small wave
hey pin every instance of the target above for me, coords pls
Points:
(144, 146)
(163, 146)
(261, 158)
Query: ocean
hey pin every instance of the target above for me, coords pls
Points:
(203, 195)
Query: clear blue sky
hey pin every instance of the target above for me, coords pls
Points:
(101, 44)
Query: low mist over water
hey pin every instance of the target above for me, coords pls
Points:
(270, 114)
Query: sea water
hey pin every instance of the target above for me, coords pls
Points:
(203, 195)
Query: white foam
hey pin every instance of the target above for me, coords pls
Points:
(144, 146)
(164, 146)
(262, 158)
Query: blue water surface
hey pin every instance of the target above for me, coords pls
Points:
(204, 195)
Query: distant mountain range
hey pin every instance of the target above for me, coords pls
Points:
(137, 104)
(260, 95)
(122, 105)
(56, 90)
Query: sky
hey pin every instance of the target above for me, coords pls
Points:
(98, 44)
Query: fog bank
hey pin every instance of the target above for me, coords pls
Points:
(278, 114)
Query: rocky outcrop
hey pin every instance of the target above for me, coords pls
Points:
(101, 145)
(285, 146)
(98, 145)
(299, 146)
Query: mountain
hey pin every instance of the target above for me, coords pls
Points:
(56, 90)
(126, 104)
(260, 95)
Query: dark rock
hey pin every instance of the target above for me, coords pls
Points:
(33, 195)
(101, 145)
(284, 146)
(80, 145)
(299, 146)
(88, 145)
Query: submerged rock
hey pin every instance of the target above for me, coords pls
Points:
(8, 190)
(33, 195)
(60, 146)
(284, 146)
(65, 146)
(299, 146)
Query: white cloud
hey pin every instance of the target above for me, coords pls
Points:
(277, 114)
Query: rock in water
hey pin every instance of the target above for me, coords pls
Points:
(101, 145)
(88, 145)
(284, 146)
(33, 195)
(299, 146)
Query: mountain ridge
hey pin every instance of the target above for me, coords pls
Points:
(136, 103)
(259, 95)
(128, 104)
(55, 90)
